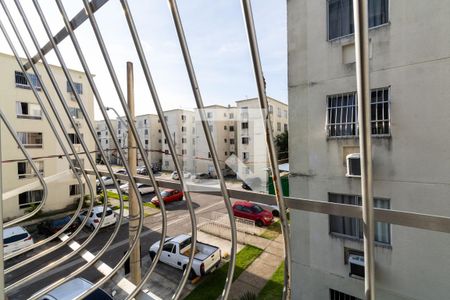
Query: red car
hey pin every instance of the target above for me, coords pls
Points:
(251, 211)
(169, 196)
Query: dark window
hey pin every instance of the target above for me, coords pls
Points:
(26, 110)
(231, 141)
(146, 131)
(146, 142)
(15, 238)
(30, 139)
(168, 247)
(24, 169)
(353, 227)
(231, 128)
(183, 140)
(225, 127)
(342, 114)
(74, 189)
(245, 140)
(336, 295)
(75, 139)
(26, 199)
(245, 125)
(78, 87)
(340, 16)
(108, 213)
(22, 82)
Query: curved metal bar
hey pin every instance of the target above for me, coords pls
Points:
(199, 101)
(108, 123)
(172, 149)
(35, 169)
(53, 128)
(64, 104)
(253, 43)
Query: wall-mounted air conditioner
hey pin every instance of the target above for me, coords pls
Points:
(353, 162)
(356, 263)
(77, 123)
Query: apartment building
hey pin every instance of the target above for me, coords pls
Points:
(251, 143)
(106, 141)
(181, 125)
(222, 124)
(21, 108)
(409, 71)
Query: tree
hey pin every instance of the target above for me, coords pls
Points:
(282, 144)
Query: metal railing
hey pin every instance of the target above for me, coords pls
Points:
(57, 118)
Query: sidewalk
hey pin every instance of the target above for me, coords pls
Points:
(255, 277)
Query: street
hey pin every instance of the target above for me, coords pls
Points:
(178, 222)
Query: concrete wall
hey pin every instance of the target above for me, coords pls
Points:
(58, 197)
(410, 167)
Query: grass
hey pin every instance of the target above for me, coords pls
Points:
(274, 287)
(113, 195)
(149, 204)
(272, 231)
(212, 285)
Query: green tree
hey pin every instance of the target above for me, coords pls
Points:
(282, 144)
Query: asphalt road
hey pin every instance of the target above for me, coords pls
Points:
(178, 221)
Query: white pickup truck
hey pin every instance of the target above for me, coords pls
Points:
(176, 251)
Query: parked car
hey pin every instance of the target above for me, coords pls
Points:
(175, 175)
(15, 238)
(96, 215)
(176, 251)
(198, 178)
(73, 288)
(142, 170)
(50, 227)
(121, 171)
(168, 195)
(142, 187)
(107, 180)
(251, 211)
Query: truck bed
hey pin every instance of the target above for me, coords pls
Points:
(202, 251)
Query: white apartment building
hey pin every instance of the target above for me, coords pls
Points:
(251, 143)
(409, 78)
(181, 125)
(21, 108)
(106, 141)
(222, 124)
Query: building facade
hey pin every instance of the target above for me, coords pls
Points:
(20, 106)
(106, 141)
(409, 104)
(250, 139)
(222, 124)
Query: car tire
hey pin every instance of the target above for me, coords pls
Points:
(152, 255)
(91, 227)
(276, 213)
(259, 223)
(192, 274)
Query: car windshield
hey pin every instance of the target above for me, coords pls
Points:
(165, 193)
(108, 213)
(15, 238)
(256, 209)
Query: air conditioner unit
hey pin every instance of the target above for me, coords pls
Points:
(77, 123)
(353, 161)
(356, 263)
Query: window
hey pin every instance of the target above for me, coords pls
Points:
(226, 153)
(353, 227)
(165, 141)
(279, 112)
(285, 113)
(159, 130)
(145, 121)
(340, 16)
(146, 142)
(22, 82)
(231, 116)
(336, 295)
(75, 139)
(231, 141)
(225, 127)
(75, 189)
(75, 112)
(78, 165)
(342, 114)
(231, 128)
(166, 151)
(225, 140)
(183, 129)
(29, 198)
(245, 155)
(209, 154)
(278, 126)
(78, 87)
(285, 127)
(245, 140)
(119, 131)
(120, 141)
(26, 110)
(24, 169)
(146, 131)
(183, 118)
(30, 139)
(270, 109)
(183, 140)
(183, 151)
(244, 125)
(99, 133)
(159, 141)
(166, 163)
(209, 115)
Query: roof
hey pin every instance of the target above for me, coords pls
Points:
(180, 238)
(71, 289)
(268, 98)
(244, 203)
(7, 232)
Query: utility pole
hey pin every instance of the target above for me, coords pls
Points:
(135, 257)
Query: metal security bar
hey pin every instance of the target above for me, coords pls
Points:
(57, 117)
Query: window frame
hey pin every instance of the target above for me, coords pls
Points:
(27, 138)
(29, 172)
(28, 116)
(29, 194)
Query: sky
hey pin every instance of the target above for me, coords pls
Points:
(216, 37)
